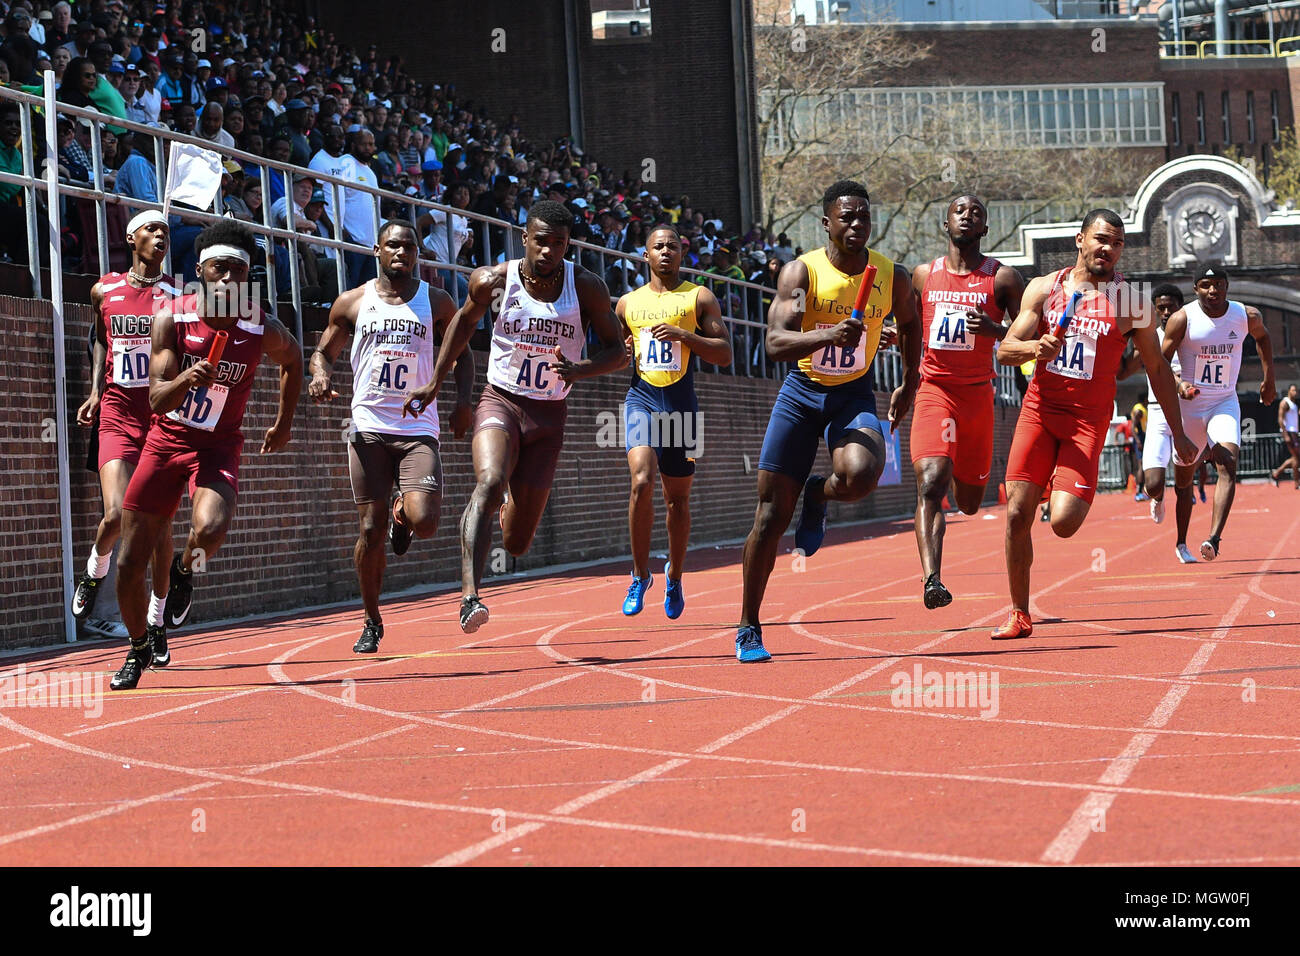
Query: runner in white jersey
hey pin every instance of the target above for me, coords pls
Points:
(1209, 336)
(545, 308)
(393, 320)
(1158, 447)
(1288, 423)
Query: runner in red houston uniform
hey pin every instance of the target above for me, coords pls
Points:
(196, 438)
(963, 297)
(124, 305)
(1067, 409)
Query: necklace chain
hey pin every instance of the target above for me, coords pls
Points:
(145, 280)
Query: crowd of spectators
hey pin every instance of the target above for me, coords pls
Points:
(263, 77)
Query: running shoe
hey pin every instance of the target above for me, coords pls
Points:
(1201, 489)
(1141, 496)
(473, 614)
(1157, 510)
(810, 531)
(83, 599)
(112, 629)
(399, 532)
(636, 594)
(370, 637)
(935, 594)
(1017, 625)
(1184, 555)
(749, 645)
(1210, 548)
(162, 655)
(137, 659)
(1045, 514)
(180, 595)
(674, 599)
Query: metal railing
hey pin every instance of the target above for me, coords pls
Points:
(1261, 49)
(1260, 454)
(744, 304)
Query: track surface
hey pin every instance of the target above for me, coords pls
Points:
(1156, 722)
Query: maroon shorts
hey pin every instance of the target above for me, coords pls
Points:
(121, 433)
(165, 470)
(537, 428)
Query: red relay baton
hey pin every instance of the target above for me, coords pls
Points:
(218, 346)
(859, 304)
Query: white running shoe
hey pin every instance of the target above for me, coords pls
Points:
(1184, 555)
(1157, 510)
(106, 628)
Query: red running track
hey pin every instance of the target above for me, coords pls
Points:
(1155, 722)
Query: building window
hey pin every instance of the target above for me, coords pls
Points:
(1277, 127)
(1176, 115)
(1200, 119)
(1227, 119)
(1007, 117)
(1250, 117)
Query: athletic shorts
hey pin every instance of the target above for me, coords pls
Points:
(806, 412)
(1213, 423)
(1158, 449)
(121, 434)
(955, 422)
(1058, 449)
(376, 460)
(166, 470)
(667, 420)
(538, 429)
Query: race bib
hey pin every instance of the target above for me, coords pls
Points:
(1213, 373)
(657, 356)
(948, 329)
(834, 360)
(532, 372)
(1076, 359)
(202, 407)
(131, 362)
(391, 373)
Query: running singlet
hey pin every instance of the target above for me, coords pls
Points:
(830, 301)
(211, 416)
(1210, 352)
(661, 363)
(526, 333)
(392, 354)
(1082, 376)
(954, 355)
(1152, 401)
(128, 324)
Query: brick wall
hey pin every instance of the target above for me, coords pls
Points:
(290, 544)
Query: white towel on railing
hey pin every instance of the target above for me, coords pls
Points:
(193, 175)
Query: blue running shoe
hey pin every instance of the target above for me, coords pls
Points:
(811, 529)
(674, 599)
(636, 594)
(749, 645)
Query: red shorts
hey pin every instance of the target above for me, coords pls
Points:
(165, 470)
(1066, 442)
(955, 422)
(121, 433)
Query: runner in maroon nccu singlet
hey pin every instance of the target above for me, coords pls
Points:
(196, 438)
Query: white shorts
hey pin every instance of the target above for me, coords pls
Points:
(1214, 423)
(1158, 447)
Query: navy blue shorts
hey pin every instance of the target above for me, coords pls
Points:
(805, 412)
(666, 419)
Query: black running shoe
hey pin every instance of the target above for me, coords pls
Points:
(399, 534)
(162, 655)
(370, 637)
(137, 659)
(180, 595)
(83, 599)
(935, 594)
(473, 614)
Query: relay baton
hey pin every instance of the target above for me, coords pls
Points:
(1063, 322)
(859, 304)
(214, 356)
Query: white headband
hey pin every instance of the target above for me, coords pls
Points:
(144, 219)
(222, 252)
